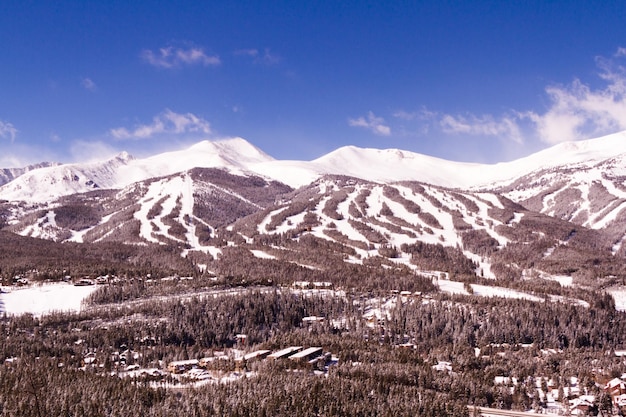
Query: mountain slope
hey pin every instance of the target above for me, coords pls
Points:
(240, 157)
(9, 174)
(560, 211)
(233, 155)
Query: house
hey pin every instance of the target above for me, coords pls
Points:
(89, 358)
(443, 366)
(582, 405)
(177, 367)
(284, 353)
(312, 319)
(241, 339)
(615, 387)
(620, 401)
(217, 356)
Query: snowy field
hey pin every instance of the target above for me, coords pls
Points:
(42, 299)
(619, 294)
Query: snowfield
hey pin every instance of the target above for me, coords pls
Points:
(43, 299)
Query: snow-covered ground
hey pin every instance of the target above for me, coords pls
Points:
(455, 287)
(619, 294)
(43, 299)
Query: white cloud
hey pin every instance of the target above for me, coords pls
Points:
(11, 161)
(485, 125)
(7, 131)
(423, 114)
(577, 111)
(90, 151)
(88, 84)
(266, 57)
(375, 124)
(170, 57)
(167, 122)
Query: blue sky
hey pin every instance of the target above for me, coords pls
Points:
(482, 81)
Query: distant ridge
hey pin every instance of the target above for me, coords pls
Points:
(238, 156)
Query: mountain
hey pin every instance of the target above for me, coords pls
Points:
(9, 174)
(557, 212)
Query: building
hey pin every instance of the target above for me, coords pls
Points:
(177, 367)
(307, 354)
(241, 361)
(615, 387)
(284, 353)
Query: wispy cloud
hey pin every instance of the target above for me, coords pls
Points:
(171, 57)
(253, 53)
(7, 131)
(423, 114)
(11, 161)
(89, 151)
(578, 111)
(373, 123)
(265, 57)
(167, 122)
(506, 127)
(88, 84)
(575, 111)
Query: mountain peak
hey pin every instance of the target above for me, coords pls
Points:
(124, 157)
(237, 148)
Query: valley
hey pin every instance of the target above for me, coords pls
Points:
(430, 282)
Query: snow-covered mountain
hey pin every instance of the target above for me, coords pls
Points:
(505, 217)
(45, 184)
(366, 199)
(9, 174)
(238, 156)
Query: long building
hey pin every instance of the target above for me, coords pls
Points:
(307, 354)
(285, 353)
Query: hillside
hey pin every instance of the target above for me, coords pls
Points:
(552, 214)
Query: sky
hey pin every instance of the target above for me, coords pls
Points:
(475, 81)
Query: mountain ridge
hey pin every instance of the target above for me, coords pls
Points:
(365, 199)
(224, 204)
(236, 155)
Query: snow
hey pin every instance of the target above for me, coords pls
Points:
(262, 255)
(238, 156)
(43, 299)
(619, 295)
(455, 287)
(489, 291)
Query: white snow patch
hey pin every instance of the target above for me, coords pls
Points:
(43, 299)
(262, 255)
(619, 295)
(489, 291)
